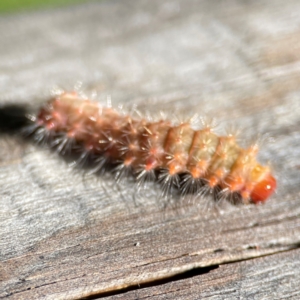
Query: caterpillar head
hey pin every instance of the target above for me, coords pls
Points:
(263, 189)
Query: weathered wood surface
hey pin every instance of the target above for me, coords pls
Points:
(271, 277)
(66, 236)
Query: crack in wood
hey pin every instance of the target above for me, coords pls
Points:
(180, 276)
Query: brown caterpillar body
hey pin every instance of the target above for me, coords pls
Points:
(147, 147)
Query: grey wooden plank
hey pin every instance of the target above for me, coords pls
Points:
(272, 277)
(65, 235)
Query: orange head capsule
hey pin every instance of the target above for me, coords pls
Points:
(263, 189)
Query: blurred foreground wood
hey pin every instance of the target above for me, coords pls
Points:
(68, 235)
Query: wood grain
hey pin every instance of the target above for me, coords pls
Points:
(67, 235)
(272, 277)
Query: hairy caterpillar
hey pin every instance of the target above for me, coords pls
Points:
(193, 160)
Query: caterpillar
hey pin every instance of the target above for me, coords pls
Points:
(176, 155)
